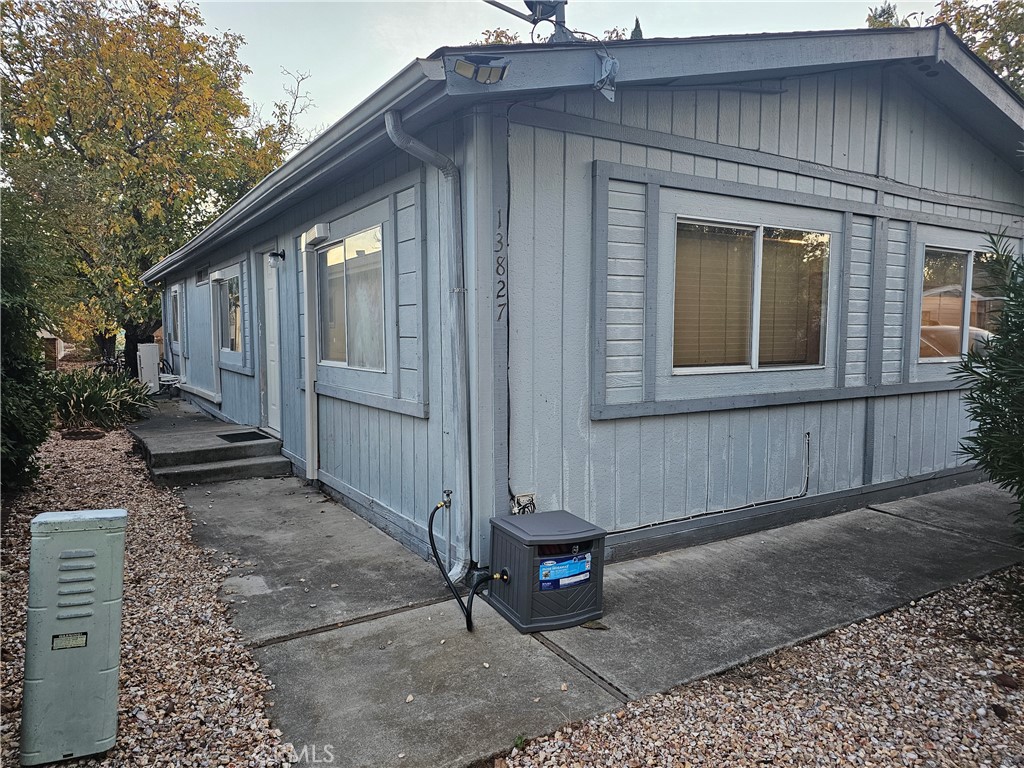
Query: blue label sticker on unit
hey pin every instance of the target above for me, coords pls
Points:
(561, 572)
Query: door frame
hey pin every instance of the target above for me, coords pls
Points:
(266, 272)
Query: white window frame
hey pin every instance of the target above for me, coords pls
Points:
(229, 359)
(755, 308)
(321, 250)
(940, 238)
(965, 310)
(683, 384)
(176, 310)
(338, 379)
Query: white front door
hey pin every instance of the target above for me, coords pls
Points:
(272, 333)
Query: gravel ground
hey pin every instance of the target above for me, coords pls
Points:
(191, 694)
(934, 683)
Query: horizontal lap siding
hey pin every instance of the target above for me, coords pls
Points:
(895, 302)
(627, 204)
(409, 260)
(859, 302)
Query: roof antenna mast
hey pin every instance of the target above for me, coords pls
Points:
(542, 10)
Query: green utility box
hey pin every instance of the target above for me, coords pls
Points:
(73, 637)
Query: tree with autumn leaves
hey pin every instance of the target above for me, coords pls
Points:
(124, 133)
(993, 30)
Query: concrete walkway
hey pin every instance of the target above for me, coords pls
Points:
(348, 624)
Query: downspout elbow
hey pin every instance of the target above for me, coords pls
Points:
(416, 148)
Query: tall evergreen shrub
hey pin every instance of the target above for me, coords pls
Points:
(994, 375)
(25, 402)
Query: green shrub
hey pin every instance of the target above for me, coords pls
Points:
(24, 391)
(994, 375)
(84, 398)
(27, 413)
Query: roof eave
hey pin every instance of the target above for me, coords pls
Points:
(418, 82)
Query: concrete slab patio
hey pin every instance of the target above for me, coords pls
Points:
(344, 669)
(294, 543)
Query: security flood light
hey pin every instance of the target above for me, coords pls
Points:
(484, 69)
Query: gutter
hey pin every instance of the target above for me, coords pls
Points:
(455, 378)
(310, 163)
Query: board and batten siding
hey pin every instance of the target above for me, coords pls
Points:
(629, 472)
(393, 464)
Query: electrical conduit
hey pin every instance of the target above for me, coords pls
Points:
(455, 376)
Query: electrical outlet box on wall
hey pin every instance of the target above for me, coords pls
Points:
(524, 503)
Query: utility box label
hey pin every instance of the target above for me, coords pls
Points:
(561, 572)
(69, 640)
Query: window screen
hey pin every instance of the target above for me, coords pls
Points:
(352, 301)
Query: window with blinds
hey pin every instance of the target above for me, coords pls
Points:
(748, 297)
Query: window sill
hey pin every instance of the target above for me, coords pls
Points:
(346, 367)
(206, 394)
(742, 370)
(244, 370)
(734, 402)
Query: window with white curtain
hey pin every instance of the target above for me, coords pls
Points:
(230, 304)
(351, 285)
(748, 297)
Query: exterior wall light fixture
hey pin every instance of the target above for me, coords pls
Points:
(275, 258)
(486, 70)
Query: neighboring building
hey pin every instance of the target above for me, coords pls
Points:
(53, 349)
(689, 312)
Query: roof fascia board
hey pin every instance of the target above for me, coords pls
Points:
(414, 82)
(661, 62)
(951, 51)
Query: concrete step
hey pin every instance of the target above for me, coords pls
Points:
(222, 471)
(207, 448)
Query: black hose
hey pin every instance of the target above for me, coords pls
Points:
(469, 603)
(437, 558)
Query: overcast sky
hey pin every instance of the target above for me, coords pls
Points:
(352, 47)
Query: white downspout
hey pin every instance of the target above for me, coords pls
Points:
(455, 377)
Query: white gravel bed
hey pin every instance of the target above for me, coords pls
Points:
(191, 694)
(934, 683)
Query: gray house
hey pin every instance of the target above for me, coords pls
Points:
(721, 291)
